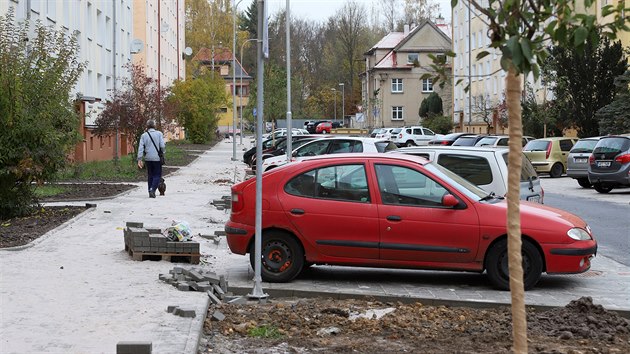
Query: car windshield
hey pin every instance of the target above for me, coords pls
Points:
(451, 136)
(583, 146)
(385, 146)
(462, 185)
(615, 145)
(465, 141)
(527, 170)
(537, 145)
(486, 141)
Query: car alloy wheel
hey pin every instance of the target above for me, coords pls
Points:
(602, 188)
(497, 265)
(282, 257)
(556, 170)
(410, 143)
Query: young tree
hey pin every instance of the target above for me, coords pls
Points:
(614, 118)
(129, 108)
(483, 106)
(431, 106)
(194, 104)
(38, 68)
(584, 81)
(522, 31)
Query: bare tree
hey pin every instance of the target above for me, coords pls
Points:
(391, 13)
(485, 107)
(419, 10)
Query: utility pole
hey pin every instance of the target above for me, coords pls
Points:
(289, 113)
(343, 102)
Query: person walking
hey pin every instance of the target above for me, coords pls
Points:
(150, 141)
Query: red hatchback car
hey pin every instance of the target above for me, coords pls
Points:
(396, 211)
(323, 128)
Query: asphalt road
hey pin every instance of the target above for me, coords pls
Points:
(607, 214)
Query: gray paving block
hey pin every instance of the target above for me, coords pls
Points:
(217, 316)
(136, 231)
(185, 313)
(220, 233)
(134, 224)
(238, 300)
(134, 348)
(153, 230)
(193, 285)
(217, 290)
(183, 287)
(211, 277)
(196, 276)
(171, 309)
(156, 240)
(215, 300)
(223, 283)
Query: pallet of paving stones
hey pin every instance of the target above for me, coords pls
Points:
(146, 243)
(224, 203)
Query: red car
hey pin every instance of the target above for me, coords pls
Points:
(323, 128)
(396, 211)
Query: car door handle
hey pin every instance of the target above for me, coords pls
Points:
(297, 211)
(394, 218)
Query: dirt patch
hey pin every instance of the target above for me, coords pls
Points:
(365, 326)
(88, 191)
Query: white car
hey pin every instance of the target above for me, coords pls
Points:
(336, 145)
(485, 167)
(283, 132)
(413, 136)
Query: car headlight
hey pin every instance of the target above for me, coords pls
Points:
(579, 234)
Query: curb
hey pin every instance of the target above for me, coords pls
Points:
(192, 345)
(242, 291)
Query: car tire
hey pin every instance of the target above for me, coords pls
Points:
(282, 257)
(584, 182)
(324, 132)
(556, 170)
(410, 143)
(497, 265)
(602, 188)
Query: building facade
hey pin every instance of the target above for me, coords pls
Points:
(392, 84)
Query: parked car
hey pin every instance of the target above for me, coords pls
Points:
(385, 133)
(577, 161)
(311, 127)
(412, 136)
(268, 146)
(609, 164)
(468, 140)
(281, 147)
(549, 155)
(283, 132)
(487, 168)
(448, 139)
(323, 128)
(500, 141)
(336, 145)
(396, 211)
(374, 132)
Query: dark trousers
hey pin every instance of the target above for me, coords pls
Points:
(154, 172)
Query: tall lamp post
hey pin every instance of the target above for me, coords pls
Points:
(343, 103)
(334, 90)
(234, 79)
(240, 100)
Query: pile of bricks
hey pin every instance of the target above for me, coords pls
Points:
(224, 203)
(196, 280)
(141, 243)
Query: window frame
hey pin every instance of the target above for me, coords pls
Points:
(396, 109)
(397, 85)
(427, 85)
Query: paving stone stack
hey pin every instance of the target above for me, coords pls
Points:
(225, 203)
(143, 241)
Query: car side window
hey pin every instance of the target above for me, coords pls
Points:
(404, 186)
(566, 145)
(314, 149)
(340, 147)
(417, 131)
(343, 183)
(503, 142)
(475, 169)
(427, 131)
(302, 185)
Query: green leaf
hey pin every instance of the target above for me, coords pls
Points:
(425, 76)
(536, 71)
(482, 55)
(551, 26)
(526, 49)
(450, 53)
(453, 3)
(505, 63)
(515, 49)
(579, 36)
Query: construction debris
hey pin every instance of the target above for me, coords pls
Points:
(197, 280)
(147, 243)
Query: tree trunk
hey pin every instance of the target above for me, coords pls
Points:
(519, 320)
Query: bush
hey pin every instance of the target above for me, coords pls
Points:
(439, 124)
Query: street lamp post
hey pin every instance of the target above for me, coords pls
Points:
(240, 100)
(343, 103)
(334, 90)
(234, 79)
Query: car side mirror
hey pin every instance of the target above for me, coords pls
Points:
(449, 200)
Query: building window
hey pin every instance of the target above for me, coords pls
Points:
(427, 85)
(92, 143)
(397, 85)
(412, 58)
(397, 113)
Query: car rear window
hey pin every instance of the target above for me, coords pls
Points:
(583, 146)
(612, 145)
(537, 145)
(465, 141)
(486, 141)
(396, 131)
(475, 169)
(527, 170)
(385, 146)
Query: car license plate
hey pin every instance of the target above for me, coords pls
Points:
(603, 164)
(535, 199)
(577, 160)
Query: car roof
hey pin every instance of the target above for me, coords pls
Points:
(450, 148)
(369, 155)
(556, 138)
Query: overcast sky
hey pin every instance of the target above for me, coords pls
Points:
(321, 10)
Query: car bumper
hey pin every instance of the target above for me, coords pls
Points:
(619, 177)
(577, 172)
(541, 166)
(238, 236)
(570, 258)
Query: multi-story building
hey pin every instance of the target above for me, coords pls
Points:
(479, 109)
(219, 61)
(392, 88)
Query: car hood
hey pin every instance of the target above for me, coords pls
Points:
(534, 216)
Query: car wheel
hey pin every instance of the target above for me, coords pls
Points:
(497, 265)
(282, 257)
(324, 132)
(410, 143)
(556, 170)
(602, 188)
(584, 182)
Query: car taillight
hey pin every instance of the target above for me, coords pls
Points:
(548, 150)
(623, 158)
(237, 202)
(399, 136)
(444, 143)
(591, 159)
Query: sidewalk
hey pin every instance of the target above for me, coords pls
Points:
(76, 291)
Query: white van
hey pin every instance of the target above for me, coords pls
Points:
(485, 167)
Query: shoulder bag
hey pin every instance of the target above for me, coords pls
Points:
(159, 150)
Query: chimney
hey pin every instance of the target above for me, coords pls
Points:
(406, 30)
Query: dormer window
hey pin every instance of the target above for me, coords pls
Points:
(412, 58)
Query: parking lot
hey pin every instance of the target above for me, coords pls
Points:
(569, 187)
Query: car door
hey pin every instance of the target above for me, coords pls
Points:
(332, 209)
(414, 226)
(565, 146)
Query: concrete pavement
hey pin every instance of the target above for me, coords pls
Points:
(76, 291)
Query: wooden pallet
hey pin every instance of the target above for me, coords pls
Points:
(192, 258)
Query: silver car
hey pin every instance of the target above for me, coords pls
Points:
(577, 161)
